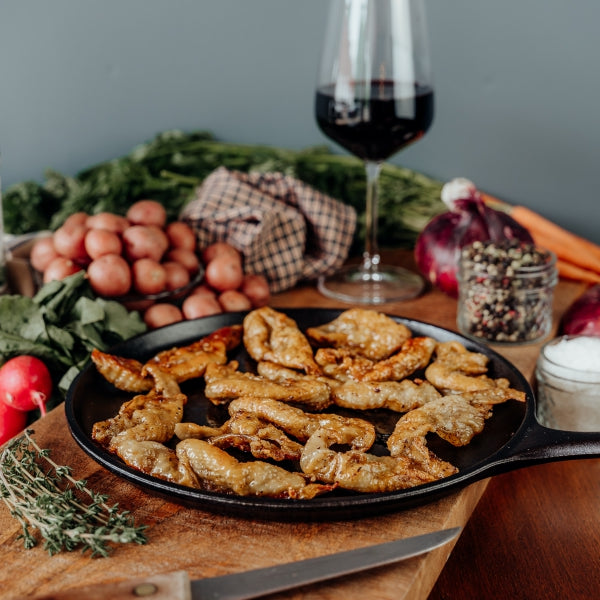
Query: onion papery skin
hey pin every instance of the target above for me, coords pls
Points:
(583, 316)
(468, 220)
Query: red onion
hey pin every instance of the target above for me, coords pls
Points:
(583, 316)
(468, 220)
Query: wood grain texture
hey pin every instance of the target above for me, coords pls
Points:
(535, 534)
(171, 586)
(504, 540)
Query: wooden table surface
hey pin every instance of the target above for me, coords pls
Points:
(532, 533)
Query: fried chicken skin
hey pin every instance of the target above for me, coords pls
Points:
(456, 418)
(301, 425)
(366, 362)
(225, 383)
(356, 470)
(124, 373)
(363, 332)
(414, 354)
(248, 433)
(148, 417)
(273, 336)
(183, 363)
(341, 364)
(191, 361)
(220, 471)
(456, 369)
(157, 460)
(399, 396)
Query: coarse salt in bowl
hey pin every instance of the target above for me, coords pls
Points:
(568, 383)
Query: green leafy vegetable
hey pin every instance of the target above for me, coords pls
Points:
(61, 325)
(170, 167)
(44, 497)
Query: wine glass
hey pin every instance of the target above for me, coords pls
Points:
(374, 96)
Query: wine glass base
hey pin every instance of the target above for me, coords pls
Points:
(354, 284)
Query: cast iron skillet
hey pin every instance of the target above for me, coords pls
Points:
(512, 437)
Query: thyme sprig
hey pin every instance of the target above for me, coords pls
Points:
(43, 496)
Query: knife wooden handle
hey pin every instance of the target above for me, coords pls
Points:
(169, 586)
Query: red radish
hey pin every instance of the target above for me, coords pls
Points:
(25, 383)
(12, 422)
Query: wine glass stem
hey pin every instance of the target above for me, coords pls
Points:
(371, 254)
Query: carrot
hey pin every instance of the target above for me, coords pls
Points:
(568, 247)
(568, 270)
(575, 254)
(495, 203)
(564, 243)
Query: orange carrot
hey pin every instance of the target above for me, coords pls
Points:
(570, 271)
(567, 246)
(496, 203)
(575, 254)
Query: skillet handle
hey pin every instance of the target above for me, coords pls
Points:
(539, 444)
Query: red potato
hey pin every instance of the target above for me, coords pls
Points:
(186, 257)
(198, 305)
(218, 249)
(147, 212)
(177, 275)
(203, 290)
(110, 275)
(161, 314)
(234, 301)
(59, 268)
(224, 273)
(256, 288)
(181, 235)
(42, 253)
(74, 220)
(109, 221)
(149, 276)
(141, 241)
(98, 242)
(70, 242)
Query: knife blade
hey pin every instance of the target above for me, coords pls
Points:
(261, 582)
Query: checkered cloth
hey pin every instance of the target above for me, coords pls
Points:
(286, 230)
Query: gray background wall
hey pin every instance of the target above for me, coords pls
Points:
(518, 88)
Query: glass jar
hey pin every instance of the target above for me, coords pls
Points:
(568, 383)
(506, 292)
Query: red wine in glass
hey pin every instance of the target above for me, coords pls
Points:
(374, 97)
(376, 125)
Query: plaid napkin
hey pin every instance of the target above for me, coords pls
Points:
(286, 230)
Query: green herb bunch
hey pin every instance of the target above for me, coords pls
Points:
(65, 513)
(171, 166)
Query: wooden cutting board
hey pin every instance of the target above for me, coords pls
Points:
(206, 544)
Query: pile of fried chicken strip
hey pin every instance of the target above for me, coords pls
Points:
(283, 437)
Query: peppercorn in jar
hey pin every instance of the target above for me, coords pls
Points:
(506, 292)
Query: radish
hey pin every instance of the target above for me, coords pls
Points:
(12, 421)
(25, 384)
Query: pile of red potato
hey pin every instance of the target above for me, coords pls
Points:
(144, 262)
